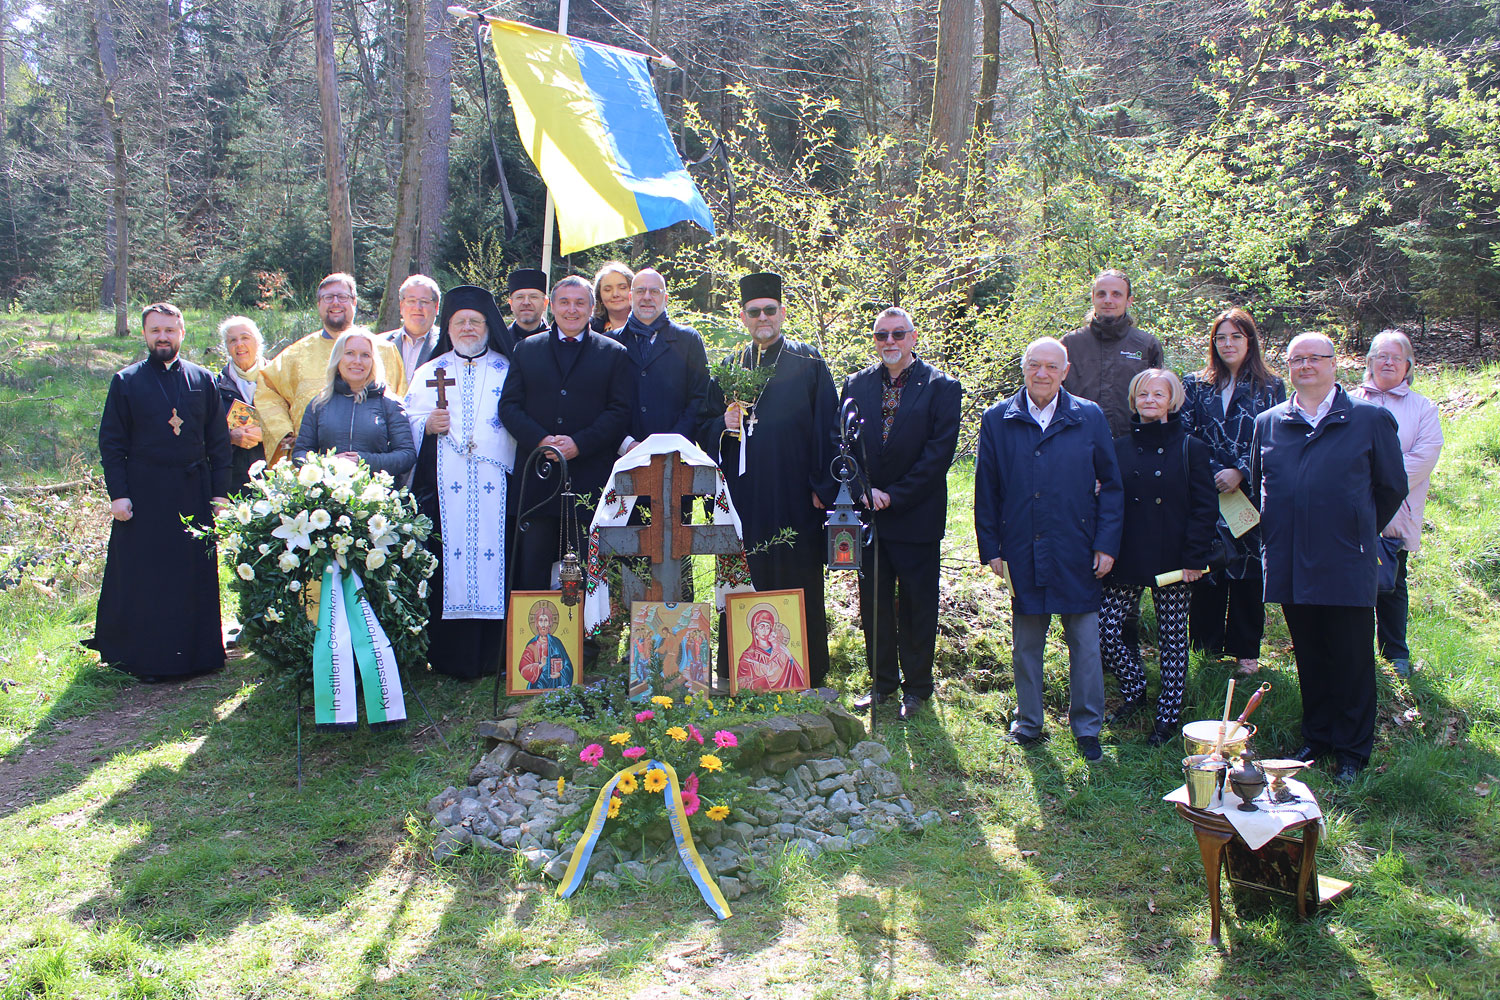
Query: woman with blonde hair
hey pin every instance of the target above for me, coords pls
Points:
(1170, 507)
(611, 296)
(243, 346)
(353, 416)
(1222, 402)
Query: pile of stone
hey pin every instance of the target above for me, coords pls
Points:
(819, 802)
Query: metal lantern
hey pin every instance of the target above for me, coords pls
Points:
(571, 576)
(845, 544)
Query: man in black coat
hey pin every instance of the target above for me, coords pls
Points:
(908, 433)
(788, 441)
(526, 295)
(569, 389)
(164, 444)
(1328, 474)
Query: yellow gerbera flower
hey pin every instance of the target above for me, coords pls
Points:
(614, 807)
(662, 700)
(655, 781)
(710, 762)
(718, 813)
(677, 733)
(619, 738)
(627, 784)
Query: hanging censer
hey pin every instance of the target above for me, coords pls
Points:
(570, 573)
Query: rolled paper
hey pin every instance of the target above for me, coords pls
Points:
(1167, 579)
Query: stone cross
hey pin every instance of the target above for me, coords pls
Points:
(666, 539)
(441, 382)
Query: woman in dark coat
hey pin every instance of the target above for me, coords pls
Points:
(353, 417)
(1226, 614)
(243, 345)
(1170, 508)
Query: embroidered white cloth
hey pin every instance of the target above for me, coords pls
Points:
(1257, 828)
(474, 460)
(614, 509)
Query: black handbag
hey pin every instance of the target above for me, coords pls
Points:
(1222, 549)
(1387, 563)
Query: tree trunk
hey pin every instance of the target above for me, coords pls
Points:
(952, 110)
(989, 64)
(404, 232)
(437, 132)
(340, 221)
(923, 53)
(116, 289)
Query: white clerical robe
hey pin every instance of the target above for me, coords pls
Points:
(474, 460)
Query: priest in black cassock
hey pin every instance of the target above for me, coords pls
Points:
(164, 444)
(526, 295)
(788, 439)
(462, 482)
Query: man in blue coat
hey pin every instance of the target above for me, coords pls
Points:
(909, 430)
(1048, 510)
(1327, 471)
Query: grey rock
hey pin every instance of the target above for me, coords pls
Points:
(862, 838)
(929, 818)
(529, 842)
(726, 861)
(449, 843)
(885, 783)
(443, 799)
(607, 879)
(529, 781)
(785, 831)
(712, 836)
(835, 845)
(633, 869)
(485, 827)
(816, 729)
(765, 817)
(540, 737)
(745, 830)
(500, 730)
(510, 836)
(804, 846)
(730, 887)
(493, 764)
(754, 880)
(828, 785)
(739, 815)
(905, 804)
(471, 809)
(448, 816)
(826, 768)
(556, 868)
(543, 767)
(514, 710)
(850, 728)
(527, 796)
(839, 803)
(780, 734)
(485, 844)
(536, 858)
(870, 750)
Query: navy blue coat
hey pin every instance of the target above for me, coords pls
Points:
(1034, 502)
(670, 381)
(912, 464)
(1324, 494)
(1170, 504)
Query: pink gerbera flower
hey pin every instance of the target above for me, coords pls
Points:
(724, 738)
(693, 732)
(690, 786)
(591, 754)
(690, 802)
(634, 752)
(645, 716)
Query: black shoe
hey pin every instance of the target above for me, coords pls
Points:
(863, 702)
(1089, 747)
(1126, 711)
(1162, 734)
(1306, 754)
(910, 706)
(1022, 740)
(1347, 773)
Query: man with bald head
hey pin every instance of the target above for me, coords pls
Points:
(1327, 472)
(1043, 523)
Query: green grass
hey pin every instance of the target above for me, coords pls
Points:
(176, 857)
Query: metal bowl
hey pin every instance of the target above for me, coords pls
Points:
(1203, 736)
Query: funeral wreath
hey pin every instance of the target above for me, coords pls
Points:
(290, 523)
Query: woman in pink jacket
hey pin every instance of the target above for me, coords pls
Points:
(1388, 372)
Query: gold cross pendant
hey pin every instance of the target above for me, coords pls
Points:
(176, 422)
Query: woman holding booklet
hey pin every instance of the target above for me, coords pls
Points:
(1222, 401)
(1170, 507)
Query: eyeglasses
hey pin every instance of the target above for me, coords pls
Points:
(1228, 338)
(335, 297)
(413, 300)
(1049, 367)
(1306, 359)
(896, 335)
(1386, 359)
(755, 312)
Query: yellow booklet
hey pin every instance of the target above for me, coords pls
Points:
(1239, 513)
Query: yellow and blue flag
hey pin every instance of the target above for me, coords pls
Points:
(589, 119)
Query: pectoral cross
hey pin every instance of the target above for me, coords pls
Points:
(441, 382)
(750, 421)
(175, 421)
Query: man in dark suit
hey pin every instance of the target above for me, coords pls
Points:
(908, 433)
(669, 361)
(1327, 472)
(568, 389)
(417, 335)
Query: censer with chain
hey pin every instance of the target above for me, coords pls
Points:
(570, 573)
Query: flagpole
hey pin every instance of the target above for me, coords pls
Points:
(549, 216)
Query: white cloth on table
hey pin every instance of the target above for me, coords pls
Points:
(474, 461)
(1257, 828)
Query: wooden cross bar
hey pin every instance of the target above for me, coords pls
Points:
(441, 382)
(666, 539)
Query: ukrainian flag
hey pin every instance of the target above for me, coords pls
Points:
(589, 118)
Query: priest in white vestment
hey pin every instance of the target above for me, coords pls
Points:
(462, 482)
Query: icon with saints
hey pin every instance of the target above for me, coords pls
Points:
(676, 635)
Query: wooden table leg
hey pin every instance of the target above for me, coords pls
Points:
(1308, 868)
(1211, 849)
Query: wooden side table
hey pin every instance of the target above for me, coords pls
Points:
(1286, 866)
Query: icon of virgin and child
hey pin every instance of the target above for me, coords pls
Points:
(545, 662)
(767, 663)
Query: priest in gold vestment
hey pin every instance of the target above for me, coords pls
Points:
(289, 381)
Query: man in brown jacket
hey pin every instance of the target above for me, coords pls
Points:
(1107, 353)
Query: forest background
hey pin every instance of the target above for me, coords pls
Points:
(977, 160)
